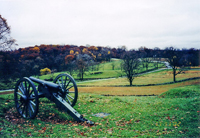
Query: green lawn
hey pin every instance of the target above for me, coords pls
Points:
(130, 116)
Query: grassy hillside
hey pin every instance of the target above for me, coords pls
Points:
(182, 92)
(105, 71)
(130, 116)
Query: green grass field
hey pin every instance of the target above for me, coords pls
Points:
(172, 114)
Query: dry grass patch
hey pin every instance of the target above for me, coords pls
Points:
(146, 90)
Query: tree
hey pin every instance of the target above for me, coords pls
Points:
(6, 41)
(130, 65)
(7, 67)
(83, 61)
(113, 65)
(175, 60)
(70, 64)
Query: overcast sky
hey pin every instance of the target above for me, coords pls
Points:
(133, 23)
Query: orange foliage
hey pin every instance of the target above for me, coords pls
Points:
(68, 58)
(93, 48)
(22, 56)
(36, 49)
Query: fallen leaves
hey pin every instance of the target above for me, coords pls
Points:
(43, 130)
(29, 134)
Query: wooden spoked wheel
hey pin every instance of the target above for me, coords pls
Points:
(69, 90)
(26, 98)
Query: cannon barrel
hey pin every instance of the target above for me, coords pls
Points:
(47, 83)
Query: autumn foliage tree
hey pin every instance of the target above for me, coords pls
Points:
(68, 58)
(70, 64)
(6, 41)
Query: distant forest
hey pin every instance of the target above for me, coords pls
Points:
(29, 61)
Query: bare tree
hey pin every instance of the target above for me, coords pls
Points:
(5, 40)
(130, 65)
(176, 61)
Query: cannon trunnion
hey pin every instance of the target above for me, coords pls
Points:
(63, 92)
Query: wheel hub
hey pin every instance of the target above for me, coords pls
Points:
(24, 99)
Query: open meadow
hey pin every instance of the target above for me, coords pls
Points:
(173, 111)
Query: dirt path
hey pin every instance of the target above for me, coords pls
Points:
(7, 92)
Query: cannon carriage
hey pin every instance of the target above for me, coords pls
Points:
(62, 91)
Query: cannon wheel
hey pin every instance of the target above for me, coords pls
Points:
(69, 88)
(26, 98)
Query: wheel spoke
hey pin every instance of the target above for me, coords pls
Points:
(70, 96)
(31, 107)
(59, 83)
(20, 105)
(21, 89)
(31, 97)
(31, 93)
(68, 100)
(29, 89)
(33, 103)
(20, 94)
(67, 84)
(69, 88)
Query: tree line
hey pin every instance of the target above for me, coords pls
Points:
(29, 61)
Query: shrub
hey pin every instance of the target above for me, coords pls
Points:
(45, 71)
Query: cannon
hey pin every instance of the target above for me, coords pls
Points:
(62, 91)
